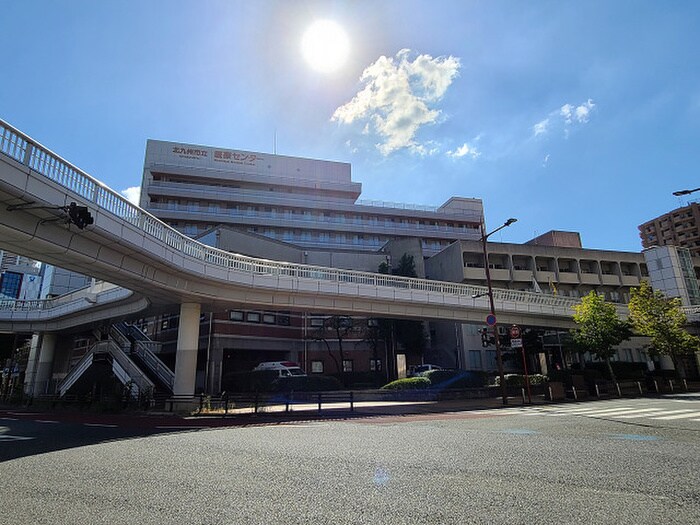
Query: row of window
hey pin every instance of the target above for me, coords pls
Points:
(300, 214)
(317, 366)
(282, 319)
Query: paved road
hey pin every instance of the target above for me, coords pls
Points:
(572, 463)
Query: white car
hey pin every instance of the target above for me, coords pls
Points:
(283, 368)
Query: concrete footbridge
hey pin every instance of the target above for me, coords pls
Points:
(129, 247)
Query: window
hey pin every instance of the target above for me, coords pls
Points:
(283, 320)
(475, 359)
(316, 367)
(235, 315)
(347, 365)
(375, 365)
(316, 321)
(10, 284)
(268, 319)
(253, 317)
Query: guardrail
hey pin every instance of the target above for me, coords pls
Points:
(22, 148)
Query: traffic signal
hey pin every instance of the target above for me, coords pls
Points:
(79, 215)
(486, 339)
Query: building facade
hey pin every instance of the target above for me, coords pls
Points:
(297, 210)
(309, 203)
(680, 227)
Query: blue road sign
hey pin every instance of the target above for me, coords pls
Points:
(490, 319)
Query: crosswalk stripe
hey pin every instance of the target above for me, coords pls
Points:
(679, 416)
(622, 412)
(644, 411)
(660, 413)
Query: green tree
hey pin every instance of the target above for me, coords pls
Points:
(599, 328)
(661, 319)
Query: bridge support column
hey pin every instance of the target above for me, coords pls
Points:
(30, 373)
(44, 364)
(187, 346)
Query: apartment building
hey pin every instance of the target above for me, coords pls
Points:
(680, 227)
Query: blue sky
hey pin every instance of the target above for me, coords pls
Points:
(568, 115)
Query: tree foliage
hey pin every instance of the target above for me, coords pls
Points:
(599, 328)
(661, 319)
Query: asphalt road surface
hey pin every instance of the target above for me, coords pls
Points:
(618, 461)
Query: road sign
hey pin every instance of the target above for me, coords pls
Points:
(514, 331)
(490, 319)
(516, 343)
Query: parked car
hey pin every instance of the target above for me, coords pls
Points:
(283, 368)
(419, 369)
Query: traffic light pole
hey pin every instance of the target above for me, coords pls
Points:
(499, 357)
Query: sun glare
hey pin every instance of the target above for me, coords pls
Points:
(325, 46)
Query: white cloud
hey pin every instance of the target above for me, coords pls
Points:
(132, 194)
(584, 110)
(541, 127)
(545, 161)
(397, 98)
(566, 116)
(465, 150)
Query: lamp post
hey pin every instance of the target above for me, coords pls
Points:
(499, 357)
(680, 193)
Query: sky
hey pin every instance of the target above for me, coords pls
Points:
(567, 115)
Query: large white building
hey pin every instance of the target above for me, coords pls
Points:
(309, 203)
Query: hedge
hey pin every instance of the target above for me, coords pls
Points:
(408, 383)
(443, 379)
(519, 379)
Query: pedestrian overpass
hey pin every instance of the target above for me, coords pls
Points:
(134, 250)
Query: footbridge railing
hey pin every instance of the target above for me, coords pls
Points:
(23, 149)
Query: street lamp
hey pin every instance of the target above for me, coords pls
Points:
(499, 357)
(680, 193)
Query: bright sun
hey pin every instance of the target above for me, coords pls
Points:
(325, 46)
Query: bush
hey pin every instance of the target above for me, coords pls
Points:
(624, 370)
(590, 376)
(442, 379)
(408, 383)
(519, 379)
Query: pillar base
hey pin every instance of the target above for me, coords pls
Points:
(182, 404)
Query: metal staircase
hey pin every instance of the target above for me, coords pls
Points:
(143, 351)
(124, 369)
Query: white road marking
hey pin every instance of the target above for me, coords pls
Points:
(8, 419)
(679, 416)
(105, 425)
(8, 437)
(661, 412)
(44, 421)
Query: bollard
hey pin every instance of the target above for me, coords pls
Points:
(573, 388)
(639, 386)
(619, 392)
(319, 403)
(352, 402)
(550, 394)
(522, 391)
(670, 385)
(685, 385)
(597, 390)
(656, 386)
